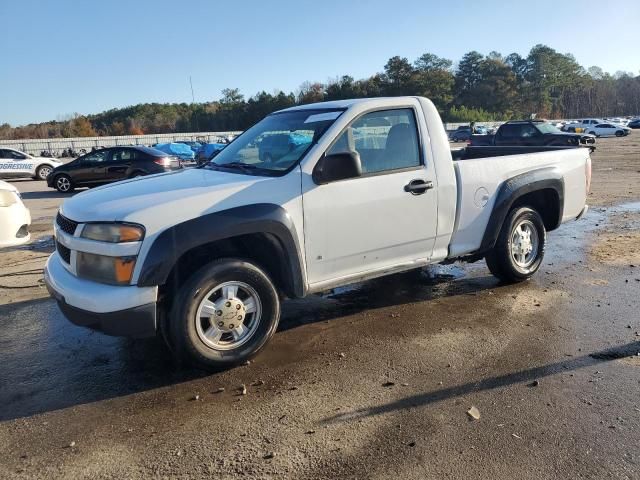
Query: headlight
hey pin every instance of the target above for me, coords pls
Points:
(103, 269)
(113, 232)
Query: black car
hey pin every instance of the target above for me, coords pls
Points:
(462, 134)
(533, 133)
(635, 123)
(110, 165)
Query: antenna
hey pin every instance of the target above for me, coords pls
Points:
(193, 98)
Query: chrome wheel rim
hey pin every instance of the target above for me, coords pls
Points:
(524, 244)
(228, 316)
(63, 184)
(44, 172)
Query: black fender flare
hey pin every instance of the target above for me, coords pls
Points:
(513, 189)
(264, 218)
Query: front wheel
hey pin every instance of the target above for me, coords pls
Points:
(519, 249)
(224, 314)
(619, 133)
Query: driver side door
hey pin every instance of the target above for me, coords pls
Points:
(374, 221)
(91, 168)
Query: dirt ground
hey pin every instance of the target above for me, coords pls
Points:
(370, 381)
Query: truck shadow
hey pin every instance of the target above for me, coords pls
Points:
(529, 375)
(49, 364)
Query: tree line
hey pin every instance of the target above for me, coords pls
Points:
(480, 87)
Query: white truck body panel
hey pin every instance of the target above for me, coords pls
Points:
(479, 180)
(345, 230)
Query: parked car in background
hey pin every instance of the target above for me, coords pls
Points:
(275, 146)
(209, 151)
(617, 121)
(195, 146)
(635, 123)
(608, 130)
(14, 217)
(531, 133)
(181, 150)
(111, 165)
(461, 134)
(14, 164)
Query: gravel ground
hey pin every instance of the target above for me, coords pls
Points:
(377, 380)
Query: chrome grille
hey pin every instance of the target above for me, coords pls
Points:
(66, 225)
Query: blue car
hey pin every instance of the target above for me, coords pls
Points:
(209, 151)
(180, 150)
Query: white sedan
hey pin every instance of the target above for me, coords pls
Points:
(14, 163)
(608, 129)
(14, 217)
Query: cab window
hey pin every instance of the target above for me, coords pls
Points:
(123, 155)
(386, 140)
(528, 131)
(96, 157)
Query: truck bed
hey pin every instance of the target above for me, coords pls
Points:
(475, 152)
(479, 178)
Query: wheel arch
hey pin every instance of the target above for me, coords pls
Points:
(541, 189)
(262, 233)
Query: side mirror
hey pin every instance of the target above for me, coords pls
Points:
(339, 166)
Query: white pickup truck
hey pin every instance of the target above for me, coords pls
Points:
(358, 189)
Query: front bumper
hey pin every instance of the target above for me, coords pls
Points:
(128, 311)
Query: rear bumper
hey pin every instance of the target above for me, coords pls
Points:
(121, 311)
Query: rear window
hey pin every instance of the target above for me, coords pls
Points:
(154, 152)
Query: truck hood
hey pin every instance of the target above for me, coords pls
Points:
(157, 199)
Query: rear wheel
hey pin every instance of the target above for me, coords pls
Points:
(43, 172)
(519, 249)
(225, 313)
(64, 184)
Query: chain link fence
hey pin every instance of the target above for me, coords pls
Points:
(55, 146)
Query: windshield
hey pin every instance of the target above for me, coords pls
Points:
(547, 128)
(275, 144)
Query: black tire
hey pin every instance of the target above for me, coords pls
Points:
(500, 259)
(183, 333)
(619, 133)
(42, 172)
(61, 185)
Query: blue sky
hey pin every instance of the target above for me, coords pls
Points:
(60, 57)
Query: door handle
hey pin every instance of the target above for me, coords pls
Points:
(418, 186)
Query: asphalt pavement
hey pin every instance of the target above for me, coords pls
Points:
(370, 381)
